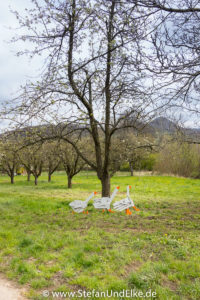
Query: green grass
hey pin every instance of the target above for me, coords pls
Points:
(43, 246)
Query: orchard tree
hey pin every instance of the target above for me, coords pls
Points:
(71, 161)
(9, 158)
(94, 80)
(25, 159)
(51, 156)
(137, 147)
(32, 158)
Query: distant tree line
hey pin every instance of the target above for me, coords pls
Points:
(23, 154)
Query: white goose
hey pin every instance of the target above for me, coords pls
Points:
(125, 203)
(80, 206)
(105, 202)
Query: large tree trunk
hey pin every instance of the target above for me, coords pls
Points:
(105, 183)
(49, 177)
(12, 178)
(69, 182)
(36, 180)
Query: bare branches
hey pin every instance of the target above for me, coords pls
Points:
(169, 5)
(110, 65)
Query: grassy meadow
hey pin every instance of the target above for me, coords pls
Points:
(43, 246)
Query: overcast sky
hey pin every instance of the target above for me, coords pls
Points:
(14, 71)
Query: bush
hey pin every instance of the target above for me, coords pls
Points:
(148, 163)
(180, 159)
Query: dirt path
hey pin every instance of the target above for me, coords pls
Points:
(9, 292)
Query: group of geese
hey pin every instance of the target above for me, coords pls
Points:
(104, 203)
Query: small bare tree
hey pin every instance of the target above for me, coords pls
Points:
(9, 159)
(71, 161)
(32, 158)
(52, 157)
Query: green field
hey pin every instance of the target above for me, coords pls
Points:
(43, 246)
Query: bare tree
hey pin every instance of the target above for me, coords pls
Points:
(94, 81)
(25, 159)
(9, 160)
(71, 161)
(51, 157)
(32, 158)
